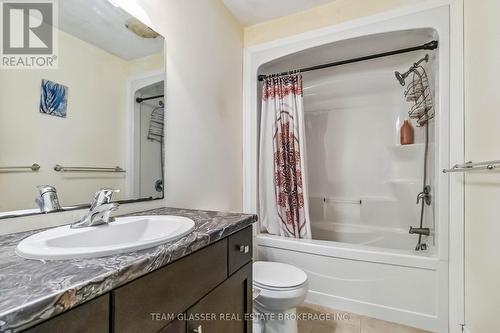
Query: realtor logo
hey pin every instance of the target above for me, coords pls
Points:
(28, 34)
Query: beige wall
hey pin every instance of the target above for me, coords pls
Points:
(204, 102)
(333, 13)
(146, 64)
(482, 128)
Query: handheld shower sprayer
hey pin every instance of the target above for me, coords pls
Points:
(402, 77)
(419, 94)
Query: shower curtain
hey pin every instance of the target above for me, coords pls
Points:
(283, 200)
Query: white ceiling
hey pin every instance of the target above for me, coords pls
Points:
(249, 12)
(101, 24)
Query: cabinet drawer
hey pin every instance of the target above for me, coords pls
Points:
(239, 249)
(169, 290)
(90, 317)
(227, 305)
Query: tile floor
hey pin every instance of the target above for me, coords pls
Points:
(343, 322)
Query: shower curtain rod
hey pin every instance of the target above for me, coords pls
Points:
(140, 99)
(427, 46)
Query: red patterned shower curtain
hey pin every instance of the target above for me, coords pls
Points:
(282, 174)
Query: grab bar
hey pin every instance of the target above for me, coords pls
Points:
(30, 168)
(469, 166)
(345, 201)
(60, 168)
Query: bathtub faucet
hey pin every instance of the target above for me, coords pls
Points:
(420, 231)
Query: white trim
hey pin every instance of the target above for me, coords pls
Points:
(451, 239)
(133, 84)
(310, 36)
(457, 181)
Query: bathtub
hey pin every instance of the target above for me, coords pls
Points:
(389, 238)
(364, 270)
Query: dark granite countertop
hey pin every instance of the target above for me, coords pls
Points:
(33, 290)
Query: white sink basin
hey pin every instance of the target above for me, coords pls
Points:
(124, 235)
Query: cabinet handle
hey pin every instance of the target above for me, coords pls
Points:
(244, 249)
(197, 330)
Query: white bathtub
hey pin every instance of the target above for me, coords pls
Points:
(367, 271)
(388, 238)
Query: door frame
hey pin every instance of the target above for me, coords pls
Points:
(133, 84)
(457, 180)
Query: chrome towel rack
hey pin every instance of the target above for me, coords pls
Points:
(342, 200)
(60, 168)
(469, 166)
(30, 168)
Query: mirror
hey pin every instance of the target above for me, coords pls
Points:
(94, 121)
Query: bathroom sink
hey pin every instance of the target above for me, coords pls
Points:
(125, 234)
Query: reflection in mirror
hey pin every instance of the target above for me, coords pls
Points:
(95, 121)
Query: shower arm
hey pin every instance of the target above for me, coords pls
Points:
(402, 77)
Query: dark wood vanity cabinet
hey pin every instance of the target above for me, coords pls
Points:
(239, 250)
(148, 303)
(207, 291)
(228, 306)
(90, 317)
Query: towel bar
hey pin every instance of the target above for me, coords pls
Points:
(60, 168)
(342, 200)
(30, 168)
(469, 166)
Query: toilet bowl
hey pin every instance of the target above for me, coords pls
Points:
(278, 289)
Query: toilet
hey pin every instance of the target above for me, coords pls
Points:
(278, 289)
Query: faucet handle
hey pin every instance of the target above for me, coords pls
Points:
(103, 196)
(47, 199)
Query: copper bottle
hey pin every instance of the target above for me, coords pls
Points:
(406, 133)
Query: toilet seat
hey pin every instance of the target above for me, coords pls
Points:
(278, 276)
(263, 287)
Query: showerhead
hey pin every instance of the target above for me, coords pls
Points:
(401, 77)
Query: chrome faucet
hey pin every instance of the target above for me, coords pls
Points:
(100, 210)
(420, 231)
(425, 197)
(47, 199)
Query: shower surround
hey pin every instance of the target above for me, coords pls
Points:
(362, 183)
